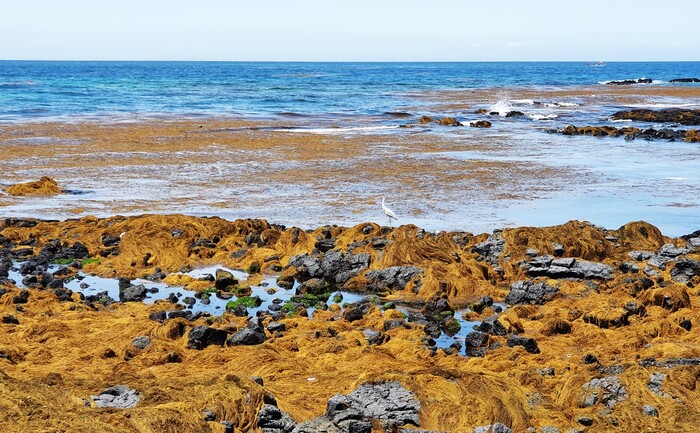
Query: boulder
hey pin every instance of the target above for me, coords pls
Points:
(224, 280)
(133, 293)
(141, 342)
(480, 124)
(203, 336)
(529, 344)
(388, 402)
(491, 249)
(251, 335)
(567, 267)
(606, 390)
(118, 397)
(333, 266)
(475, 343)
(685, 269)
(529, 292)
(393, 278)
(629, 82)
(491, 325)
(449, 121)
(272, 420)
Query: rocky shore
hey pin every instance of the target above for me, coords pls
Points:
(575, 328)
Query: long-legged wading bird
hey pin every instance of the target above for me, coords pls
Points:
(388, 212)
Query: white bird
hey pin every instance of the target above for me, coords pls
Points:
(388, 212)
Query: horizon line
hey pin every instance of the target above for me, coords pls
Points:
(349, 61)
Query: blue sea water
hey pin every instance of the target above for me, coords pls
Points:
(59, 89)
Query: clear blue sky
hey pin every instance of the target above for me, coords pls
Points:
(372, 30)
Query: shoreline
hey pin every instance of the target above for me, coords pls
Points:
(584, 308)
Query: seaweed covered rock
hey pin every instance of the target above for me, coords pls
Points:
(43, 186)
(683, 116)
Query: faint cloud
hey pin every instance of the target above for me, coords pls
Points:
(514, 44)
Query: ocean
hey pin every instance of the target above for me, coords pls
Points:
(523, 174)
(31, 90)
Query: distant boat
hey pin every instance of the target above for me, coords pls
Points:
(598, 64)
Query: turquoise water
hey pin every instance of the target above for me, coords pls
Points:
(57, 89)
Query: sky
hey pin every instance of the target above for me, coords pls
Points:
(358, 30)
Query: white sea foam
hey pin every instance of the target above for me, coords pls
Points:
(523, 101)
(358, 129)
(562, 104)
(660, 105)
(549, 116)
(675, 178)
(619, 120)
(502, 107)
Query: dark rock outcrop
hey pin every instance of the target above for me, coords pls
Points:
(203, 336)
(251, 335)
(475, 343)
(272, 420)
(224, 280)
(685, 80)
(630, 133)
(529, 344)
(629, 82)
(393, 278)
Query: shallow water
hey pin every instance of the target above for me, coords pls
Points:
(92, 285)
(334, 138)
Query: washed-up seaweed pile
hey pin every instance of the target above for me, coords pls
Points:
(599, 333)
